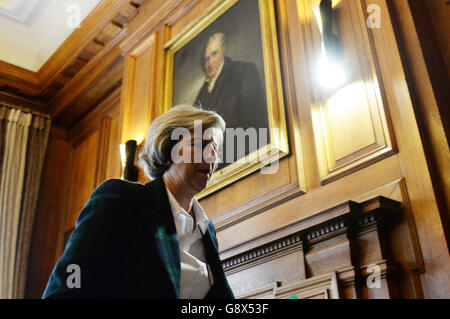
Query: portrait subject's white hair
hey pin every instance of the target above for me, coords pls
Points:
(218, 36)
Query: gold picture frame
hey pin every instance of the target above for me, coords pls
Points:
(278, 146)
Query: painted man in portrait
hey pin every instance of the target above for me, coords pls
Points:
(232, 88)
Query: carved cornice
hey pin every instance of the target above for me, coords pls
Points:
(80, 54)
(264, 254)
(372, 212)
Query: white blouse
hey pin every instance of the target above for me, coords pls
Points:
(195, 277)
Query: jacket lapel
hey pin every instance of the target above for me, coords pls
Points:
(220, 289)
(210, 242)
(165, 233)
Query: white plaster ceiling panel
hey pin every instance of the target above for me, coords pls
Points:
(32, 30)
(19, 10)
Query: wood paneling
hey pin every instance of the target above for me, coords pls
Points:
(440, 13)
(82, 181)
(140, 87)
(280, 235)
(320, 287)
(428, 79)
(427, 219)
(102, 86)
(357, 109)
(48, 234)
(20, 78)
(96, 153)
(329, 259)
(113, 162)
(279, 262)
(81, 82)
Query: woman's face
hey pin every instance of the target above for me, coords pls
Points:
(195, 163)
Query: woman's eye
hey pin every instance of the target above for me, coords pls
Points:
(205, 145)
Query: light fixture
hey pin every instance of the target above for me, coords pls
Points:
(330, 71)
(122, 154)
(130, 171)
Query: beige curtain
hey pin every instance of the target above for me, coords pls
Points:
(23, 142)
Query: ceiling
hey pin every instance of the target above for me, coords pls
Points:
(32, 30)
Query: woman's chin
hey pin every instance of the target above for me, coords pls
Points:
(201, 182)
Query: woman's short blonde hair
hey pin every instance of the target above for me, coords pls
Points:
(155, 157)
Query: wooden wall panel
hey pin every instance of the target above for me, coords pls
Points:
(48, 233)
(414, 169)
(440, 13)
(139, 94)
(284, 266)
(318, 260)
(113, 162)
(262, 189)
(356, 109)
(428, 77)
(405, 249)
(96, 154)
(82, 181)
(188, 12)
(320, 287)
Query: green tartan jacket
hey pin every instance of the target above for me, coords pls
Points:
(126, 246)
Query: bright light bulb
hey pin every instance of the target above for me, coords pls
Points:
(122, 154)
(316, 11)
(331, 74)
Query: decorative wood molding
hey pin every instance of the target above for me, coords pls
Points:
(317, 232)
(335, 240)
(80, 40)
(257, 206)
(319, 287)
(105, 131)
(59, 132)
(420, 264)
(93, 119)
(264, 254)
(266, 291)
(19, 78)
(360, 107)
(139, 88)
(328, 215)
(85, 53)
(144, 25)
(83, 80)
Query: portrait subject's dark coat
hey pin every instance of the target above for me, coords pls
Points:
(126, 246)
(237, 96)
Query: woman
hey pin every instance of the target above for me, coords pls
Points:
(153, 240)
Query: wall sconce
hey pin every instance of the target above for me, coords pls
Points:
(130, 171)
(331, 73)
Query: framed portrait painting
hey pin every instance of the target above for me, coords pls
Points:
(227, 61)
